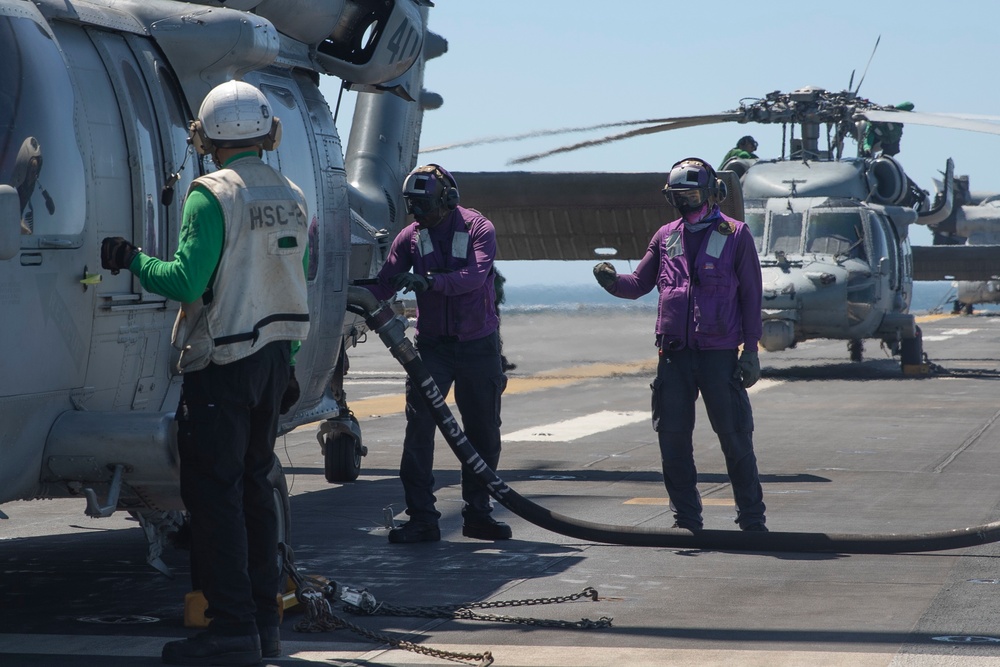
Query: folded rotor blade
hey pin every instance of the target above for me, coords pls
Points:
(934, 120)
(672, 124)
(539, 133)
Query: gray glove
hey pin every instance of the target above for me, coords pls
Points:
(606, 275)
(748, 369)
(411, 282)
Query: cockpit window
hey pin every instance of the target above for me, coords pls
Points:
(835, 233)
(755, 221)
(786, 233)
(39, 156)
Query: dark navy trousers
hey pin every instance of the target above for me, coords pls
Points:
(473, 368)
(681, 375)
(227, 420)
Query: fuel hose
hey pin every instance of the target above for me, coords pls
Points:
(381, 319)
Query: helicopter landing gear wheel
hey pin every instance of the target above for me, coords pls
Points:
(856, 348)
(911, 353)
(342, 448)
(283, 507)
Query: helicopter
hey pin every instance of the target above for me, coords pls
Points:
(831, 230)
(972, 224)
(95, 101)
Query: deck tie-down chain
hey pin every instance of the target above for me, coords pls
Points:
(318, 598)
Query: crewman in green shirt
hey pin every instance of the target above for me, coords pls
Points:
(744, 150)
(238, 273)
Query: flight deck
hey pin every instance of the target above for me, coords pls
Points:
(843, 447)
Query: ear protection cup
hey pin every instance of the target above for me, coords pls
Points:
(204, 145)
(451, 196)
(197, 138)
(273, 138)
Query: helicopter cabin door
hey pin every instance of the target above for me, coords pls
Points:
(144, 141)
(311, 156)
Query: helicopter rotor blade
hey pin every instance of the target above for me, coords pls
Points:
(539, 133)
(673, 124)
(916, 118)
(863, 74)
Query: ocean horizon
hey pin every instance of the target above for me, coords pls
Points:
(928, 297)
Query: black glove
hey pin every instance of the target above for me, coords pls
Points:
(411, 282)
(606, 275)
(748, 369)
(292, 392)
(117, 254)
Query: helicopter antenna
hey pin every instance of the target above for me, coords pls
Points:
(865, 73)
(851, 82)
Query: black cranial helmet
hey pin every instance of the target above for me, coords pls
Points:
(691, 183)
(429, 189)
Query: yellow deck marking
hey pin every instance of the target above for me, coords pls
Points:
(934, 318)
(391, 404)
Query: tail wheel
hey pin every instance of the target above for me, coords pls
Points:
(282, 506)
(342, 449)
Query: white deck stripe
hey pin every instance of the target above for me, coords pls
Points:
(78, 648)
(598, 422)
(572, 429)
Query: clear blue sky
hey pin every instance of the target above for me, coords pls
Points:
(523, 65)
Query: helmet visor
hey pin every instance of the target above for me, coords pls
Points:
(420, 206)
(686, 200)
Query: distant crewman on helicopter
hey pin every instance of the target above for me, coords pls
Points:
(706, 269)
(884, 138)
(744, 150)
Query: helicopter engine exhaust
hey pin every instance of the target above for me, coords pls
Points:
(381, 319)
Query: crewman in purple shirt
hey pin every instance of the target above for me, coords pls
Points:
(450, 250)
(705, 267)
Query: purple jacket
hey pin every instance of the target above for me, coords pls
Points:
(714, 307)
(459, 254)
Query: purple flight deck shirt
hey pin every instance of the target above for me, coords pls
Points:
(459, 254)
(709, 283)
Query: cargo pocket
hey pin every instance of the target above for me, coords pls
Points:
(655, 387)
(500, 382)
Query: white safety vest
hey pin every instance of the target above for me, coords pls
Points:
(258, 294)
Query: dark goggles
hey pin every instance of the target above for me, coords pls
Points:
(686, 199)
(421, 205)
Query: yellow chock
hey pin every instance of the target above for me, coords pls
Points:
(916, 369)
(195, 606)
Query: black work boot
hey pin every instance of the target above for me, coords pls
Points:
(756, 527)
(415, 531)
(486, 528)
(270, 641)
(208, 648)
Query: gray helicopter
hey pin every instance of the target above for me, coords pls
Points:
(973, 222)
(831, 229)
(95, 101)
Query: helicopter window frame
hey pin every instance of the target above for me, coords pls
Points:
(143, 140)
(755, 220)
(784, 242)
(850, 245)
(882, 227)
(166, 95)
(285, 100)
(58, 175)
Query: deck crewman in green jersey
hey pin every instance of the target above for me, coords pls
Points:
(238, 273)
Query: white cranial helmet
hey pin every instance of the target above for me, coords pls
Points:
(235, 114)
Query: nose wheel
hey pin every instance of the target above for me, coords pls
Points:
(856, 348)
(340, 440)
